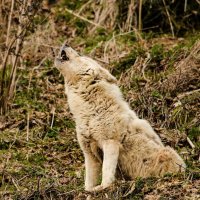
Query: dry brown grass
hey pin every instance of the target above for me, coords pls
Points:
(39, 154)
(186, 76)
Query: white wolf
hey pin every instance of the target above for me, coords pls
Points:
(105, 122)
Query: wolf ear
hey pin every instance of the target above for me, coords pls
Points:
(105, 74)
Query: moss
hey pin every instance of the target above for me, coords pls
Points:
(48, 63)
(81, 26)
(62, 16)
(156, 93)
(127, 61)
(29, 101)
(194, 134)
(53, 132)
(69, 123)
(139, 184)
(40, 20)
(34, 170)
(73, 5)
(37, 158)
(191, 38)
(4, 145)
(157, 53)
(92, 42)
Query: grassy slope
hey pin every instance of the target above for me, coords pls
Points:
(39, 154)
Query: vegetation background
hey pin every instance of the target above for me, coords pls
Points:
(152, 47)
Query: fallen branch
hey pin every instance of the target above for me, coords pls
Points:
(190, 143)
(83, 18)
(180, 96)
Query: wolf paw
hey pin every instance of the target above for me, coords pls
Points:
(97, 188)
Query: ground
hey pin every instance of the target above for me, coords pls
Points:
(39, 154)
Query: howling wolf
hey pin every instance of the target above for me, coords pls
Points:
(106, 125)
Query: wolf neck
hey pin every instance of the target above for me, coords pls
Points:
(95, 101)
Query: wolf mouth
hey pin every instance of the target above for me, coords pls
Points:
(64, 56)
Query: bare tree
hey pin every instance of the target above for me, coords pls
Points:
(17, 19)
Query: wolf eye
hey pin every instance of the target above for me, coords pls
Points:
(64, 56)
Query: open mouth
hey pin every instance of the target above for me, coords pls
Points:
(66, 53)
(63, 56)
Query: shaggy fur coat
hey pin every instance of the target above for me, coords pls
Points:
(105, 123)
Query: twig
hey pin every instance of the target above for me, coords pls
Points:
(168, 15)
(10, 146)
(115, 45)
(34, 68)
(190, 143)
(4, 97)
(147, 60)
(46, 45)
(84, 6)
(27, 127)
(185, 6)
(100, 60)
(53, 116)
(71, 191)
(4, 65)
(99, 44)
(140, 39)
(129, 21)
(15, 184)
(21, 33)
(132, 188)
(4, 168)
(83, 18)
(25, 17)
(109, 41)
(151, 27)
(140, 16)
(38, 185)
(180, 96)
(198, 2)
(125, 33)
(23, 177)
(9, 22)
(181, 166)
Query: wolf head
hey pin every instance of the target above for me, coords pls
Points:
(78, 69)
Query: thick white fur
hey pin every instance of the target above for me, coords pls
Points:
(105, 122)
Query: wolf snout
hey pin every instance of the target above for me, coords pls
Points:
(64, 46)
(64, 56)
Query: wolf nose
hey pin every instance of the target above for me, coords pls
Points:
(66, 45)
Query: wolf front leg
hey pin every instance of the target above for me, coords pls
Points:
(92, 171)
(92, 164)
(110, 160)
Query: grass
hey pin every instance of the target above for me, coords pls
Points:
(52, 156)
(50, 164)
